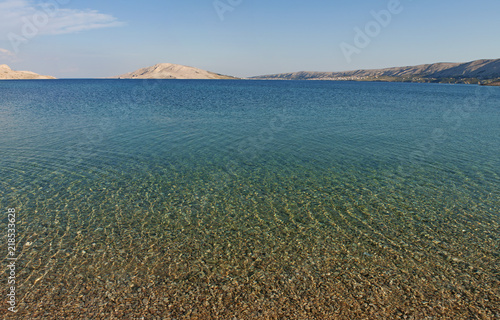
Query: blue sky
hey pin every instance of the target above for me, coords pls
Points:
(90, 38)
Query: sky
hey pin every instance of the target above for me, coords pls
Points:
(90, 38)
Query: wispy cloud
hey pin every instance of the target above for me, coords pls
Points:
(6, 53)
(49, 18)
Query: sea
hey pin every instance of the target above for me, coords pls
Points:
(243, 199)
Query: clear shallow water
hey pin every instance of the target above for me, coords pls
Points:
(253, 199)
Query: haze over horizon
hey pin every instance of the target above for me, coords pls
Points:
(81, 39)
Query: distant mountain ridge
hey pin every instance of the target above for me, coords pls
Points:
(172, 71)
(6, 73)
(485, 70)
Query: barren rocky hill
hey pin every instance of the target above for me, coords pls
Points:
(6, 73)
(172, 71)
(479, 69)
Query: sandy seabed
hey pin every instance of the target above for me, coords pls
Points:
(263, 248)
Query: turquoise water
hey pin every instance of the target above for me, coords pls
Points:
(252, 199)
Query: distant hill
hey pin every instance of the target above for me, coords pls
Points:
(6, 73)
(471, 72)
(172, 71)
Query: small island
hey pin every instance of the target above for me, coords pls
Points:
(173, 71)
(6, 73)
